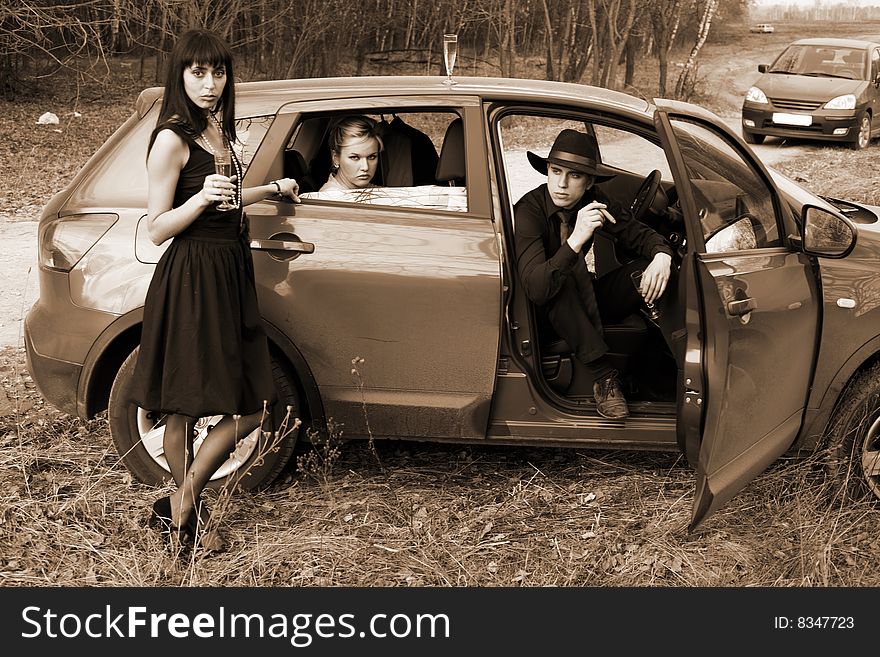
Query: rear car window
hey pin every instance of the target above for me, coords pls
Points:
(421, 164)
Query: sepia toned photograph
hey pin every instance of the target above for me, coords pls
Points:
(452, 294)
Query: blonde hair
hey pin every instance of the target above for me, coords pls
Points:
(357, 125)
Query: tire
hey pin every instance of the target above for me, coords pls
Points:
(853, 456)
(138, 434)
(752, 138)
(863, 138)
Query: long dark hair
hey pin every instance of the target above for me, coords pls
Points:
(196, 47)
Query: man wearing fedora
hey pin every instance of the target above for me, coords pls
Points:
(555, 225)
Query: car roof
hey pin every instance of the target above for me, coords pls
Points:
(818, 41)
(275, 93)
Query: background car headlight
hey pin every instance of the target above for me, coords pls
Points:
(755, 95)
(65, 240)
(846, 101)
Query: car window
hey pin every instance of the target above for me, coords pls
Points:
(631, 153)
(250, 132)
(421, 163)
(120, 176)
(520, 133)
(734, 202)
(821, 61)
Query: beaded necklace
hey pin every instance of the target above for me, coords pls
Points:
(234, 159)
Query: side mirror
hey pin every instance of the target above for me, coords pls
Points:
(827, 234)
(762, 68)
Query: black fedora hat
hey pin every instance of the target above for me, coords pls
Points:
(574, 150)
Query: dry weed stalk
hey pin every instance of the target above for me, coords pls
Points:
(359, 381)
(319, 462)
(270, 443)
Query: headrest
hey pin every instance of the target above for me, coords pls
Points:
(451, 163)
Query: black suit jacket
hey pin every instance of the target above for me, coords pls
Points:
(556, 279)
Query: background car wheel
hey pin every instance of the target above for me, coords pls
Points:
(854, 437)
(138, 434)
(863, 138)
(752, 138)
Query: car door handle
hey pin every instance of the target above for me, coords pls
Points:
(741, 306)
(282, 245)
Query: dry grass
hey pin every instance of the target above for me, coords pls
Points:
(838, 172)
(418, 515)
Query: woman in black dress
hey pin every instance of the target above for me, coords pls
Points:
(203, 350)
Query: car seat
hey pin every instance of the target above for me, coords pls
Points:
(567, 376)
(295, 167)
(451, 165)
(854, 61)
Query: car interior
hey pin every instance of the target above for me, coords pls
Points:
(422, 162)
(430, 155)
(638, 347)
(734, 218)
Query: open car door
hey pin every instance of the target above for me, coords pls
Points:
(752, 311)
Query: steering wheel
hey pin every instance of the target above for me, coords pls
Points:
(644, 198)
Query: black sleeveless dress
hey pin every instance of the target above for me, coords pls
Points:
(203, 349)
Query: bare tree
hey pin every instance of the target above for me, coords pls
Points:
(611, 29)
(665, 18)
(687, 78)
(578, 39)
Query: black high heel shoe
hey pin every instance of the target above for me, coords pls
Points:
(161, 520)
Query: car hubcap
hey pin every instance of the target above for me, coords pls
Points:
(864, 132)
(870, 457)
(151, 428)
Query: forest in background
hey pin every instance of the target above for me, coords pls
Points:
(819, 11)
(599, 42)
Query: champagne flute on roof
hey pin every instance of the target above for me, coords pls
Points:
(450, 52)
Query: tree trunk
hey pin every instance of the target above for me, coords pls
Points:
(510, 25)
(687, 78)
(665, 19)
(631, 53)
(550, 72)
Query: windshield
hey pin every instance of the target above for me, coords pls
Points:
(821, 61)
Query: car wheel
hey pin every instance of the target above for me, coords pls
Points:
(752, 138)
(864, 136)
(257, 460)
(854, 437)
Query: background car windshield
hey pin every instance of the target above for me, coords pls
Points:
(821, 61)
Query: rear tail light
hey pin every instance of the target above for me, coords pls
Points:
(65, 240)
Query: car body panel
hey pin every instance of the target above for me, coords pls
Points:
(429, 352)
(851, 301)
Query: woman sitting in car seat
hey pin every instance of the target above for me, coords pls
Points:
(354, 149)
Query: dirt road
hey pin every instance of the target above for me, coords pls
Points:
(18, 265)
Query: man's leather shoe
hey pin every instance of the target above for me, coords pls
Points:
(610, 401)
